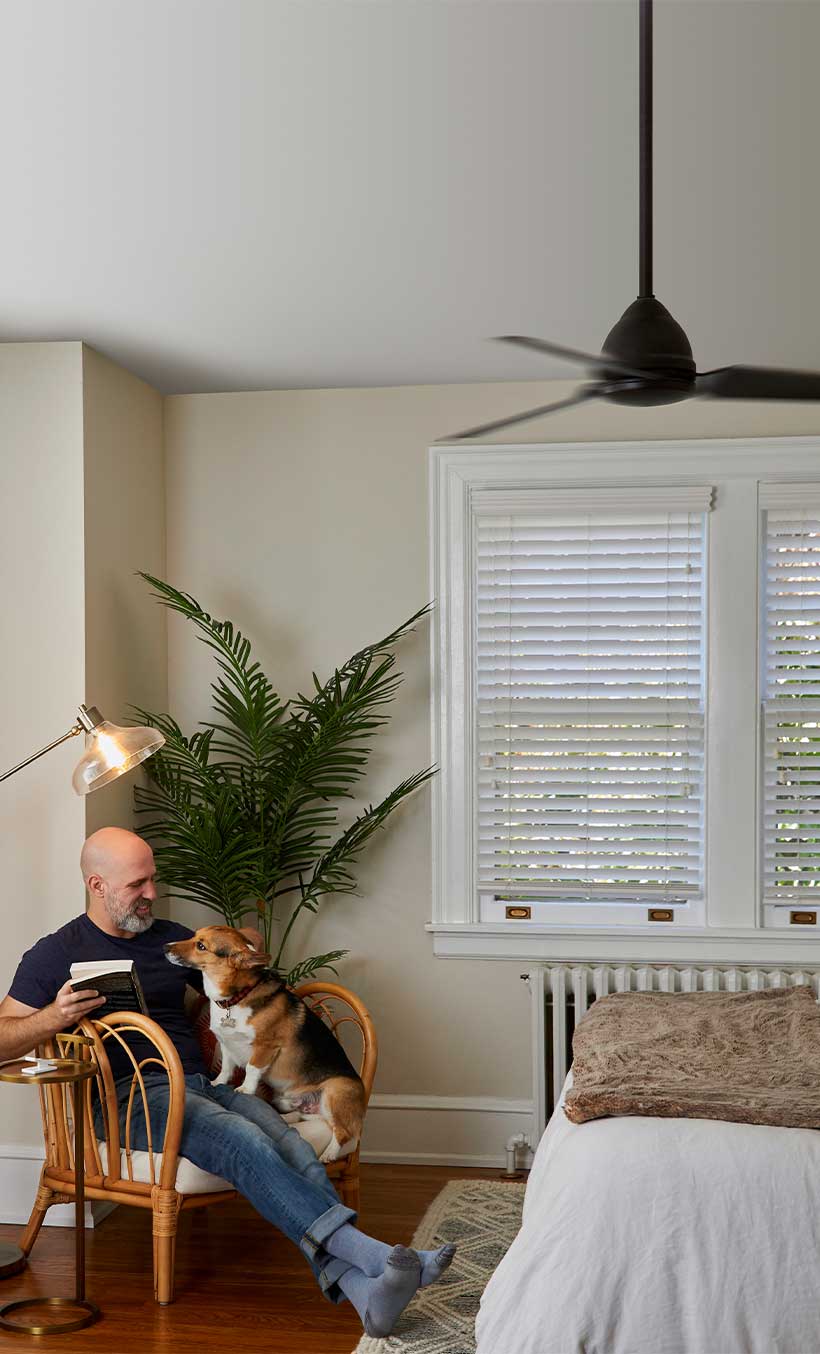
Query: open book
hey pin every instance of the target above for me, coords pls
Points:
(115, 979)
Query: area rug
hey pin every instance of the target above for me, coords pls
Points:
(482, 1217)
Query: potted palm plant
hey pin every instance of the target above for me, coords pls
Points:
(243, 813)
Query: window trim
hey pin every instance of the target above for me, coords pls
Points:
(735, 925)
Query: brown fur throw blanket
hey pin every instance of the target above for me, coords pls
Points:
(751, 1057)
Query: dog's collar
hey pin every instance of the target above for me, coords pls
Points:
(240, 996)
(227, 1002)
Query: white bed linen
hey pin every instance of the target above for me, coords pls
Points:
(662, 1236)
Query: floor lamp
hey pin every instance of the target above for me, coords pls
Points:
(110, 751)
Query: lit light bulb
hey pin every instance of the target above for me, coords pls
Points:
(110, 750)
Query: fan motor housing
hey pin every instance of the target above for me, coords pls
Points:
(648, 337)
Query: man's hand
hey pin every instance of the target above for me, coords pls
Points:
(23, 1027)
(69, 1006)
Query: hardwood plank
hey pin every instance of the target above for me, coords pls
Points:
(239, 1283)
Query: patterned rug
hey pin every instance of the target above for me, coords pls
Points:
(482, 1217)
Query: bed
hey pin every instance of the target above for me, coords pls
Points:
(662, 1236)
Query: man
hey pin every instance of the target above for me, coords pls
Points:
(238, 1137)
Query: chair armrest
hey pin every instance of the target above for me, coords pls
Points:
(101, 1033)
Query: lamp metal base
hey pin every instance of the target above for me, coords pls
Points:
(12, 1260)
(86, 1312)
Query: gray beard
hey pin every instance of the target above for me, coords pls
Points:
(133, 924)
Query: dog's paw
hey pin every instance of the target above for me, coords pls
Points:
(331, 1152)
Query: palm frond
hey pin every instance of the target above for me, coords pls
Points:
(307, 967)
(243, 694)
(331, 873)
(329, 742)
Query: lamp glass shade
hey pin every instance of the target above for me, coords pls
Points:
(110, 751)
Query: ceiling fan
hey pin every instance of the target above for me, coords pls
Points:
(647, 358)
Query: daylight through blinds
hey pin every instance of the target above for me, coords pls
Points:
(791, 693)
(589, 635)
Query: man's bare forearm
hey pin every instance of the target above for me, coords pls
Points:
(20, 1034)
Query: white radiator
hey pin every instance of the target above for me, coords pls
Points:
(561, 993)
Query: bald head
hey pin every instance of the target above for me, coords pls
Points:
(107, 849)
(119, 872)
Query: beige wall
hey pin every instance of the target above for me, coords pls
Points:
(126, 653)
(303, 516)
(82, 494)
(41, 679)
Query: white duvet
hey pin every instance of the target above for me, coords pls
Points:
(662, 1236)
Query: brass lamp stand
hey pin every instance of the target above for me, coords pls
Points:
(110, 751)
(12, 1260)
(76, 1072)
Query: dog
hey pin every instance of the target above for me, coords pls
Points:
(264, 1027)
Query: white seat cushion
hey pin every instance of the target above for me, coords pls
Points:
(192, 1179)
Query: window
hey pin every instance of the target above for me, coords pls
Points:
(626, 682)
(791, 700)
(589, 709)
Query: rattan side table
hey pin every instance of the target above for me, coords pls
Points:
(76, 1072)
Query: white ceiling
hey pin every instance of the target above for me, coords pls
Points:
(260, 194)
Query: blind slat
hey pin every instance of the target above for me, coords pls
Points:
(589, 663)
(791, 692)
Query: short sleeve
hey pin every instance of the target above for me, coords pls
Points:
(40, 974)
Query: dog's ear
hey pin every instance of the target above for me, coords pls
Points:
(251, 959)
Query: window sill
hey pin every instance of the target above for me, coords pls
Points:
(529, 941)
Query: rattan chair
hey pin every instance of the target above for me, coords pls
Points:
(160, 1179)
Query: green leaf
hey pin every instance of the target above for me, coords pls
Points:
(306, 968)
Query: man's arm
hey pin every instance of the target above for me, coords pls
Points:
(23, 1027)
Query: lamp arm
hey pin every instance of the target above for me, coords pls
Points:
(72, 733)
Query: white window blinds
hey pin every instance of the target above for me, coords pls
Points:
(589, 662)
(791, 692)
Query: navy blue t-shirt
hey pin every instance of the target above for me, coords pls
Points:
(45, 967)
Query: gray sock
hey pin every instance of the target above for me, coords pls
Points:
(434, 1263)
(381, 1301)
(370, 1255)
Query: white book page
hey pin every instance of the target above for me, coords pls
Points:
(92, 968)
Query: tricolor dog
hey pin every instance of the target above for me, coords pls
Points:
(262, 1026)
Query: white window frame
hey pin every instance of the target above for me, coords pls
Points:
(734, 928)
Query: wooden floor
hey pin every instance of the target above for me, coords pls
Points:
(241, 1287)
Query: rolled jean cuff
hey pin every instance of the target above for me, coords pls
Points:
(312, 1246)
(329, 1270)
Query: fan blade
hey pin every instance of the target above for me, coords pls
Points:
(758, 383)
(599, 363)
(583, 393)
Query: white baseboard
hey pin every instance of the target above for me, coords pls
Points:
(437, 1159)
(431, 1130)
(20, 1166)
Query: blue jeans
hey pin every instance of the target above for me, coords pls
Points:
(245, 1141)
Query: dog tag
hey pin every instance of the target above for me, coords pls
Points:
(227, 1019)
